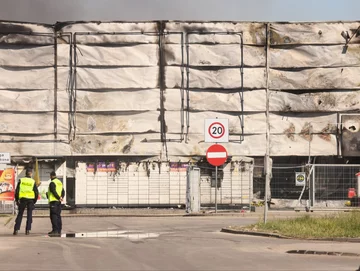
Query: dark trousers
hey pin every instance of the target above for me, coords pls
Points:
(55, 216)
(29, 205)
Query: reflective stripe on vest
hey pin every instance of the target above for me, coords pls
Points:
(26, 188)
(58, 188)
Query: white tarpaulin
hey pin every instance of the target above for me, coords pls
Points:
(254, 78)
(130, 122)
(27, 101)
(253, 123)
(315, 56)
(137, 55)
(312, 33)
(116, 78)
(122, 100)
(318, 101)
(220, 100)
(124, 88)
(317, 78)
(226, 55)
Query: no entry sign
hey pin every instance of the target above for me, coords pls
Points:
(216, 155)
(216, 130)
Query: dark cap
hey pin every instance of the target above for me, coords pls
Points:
(52, 173)
(28, 171)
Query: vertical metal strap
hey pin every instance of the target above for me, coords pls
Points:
(74, 88)
(251, 183)
(267, 154)
(242, 88)
(338, 134)
(187, 87)
(55, 85)
(71, 87)
(182, 94)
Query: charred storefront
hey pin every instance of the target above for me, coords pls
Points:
(118, 108)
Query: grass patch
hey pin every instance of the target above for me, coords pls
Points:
(329, 226)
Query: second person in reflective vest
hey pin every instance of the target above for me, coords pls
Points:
(55, 195)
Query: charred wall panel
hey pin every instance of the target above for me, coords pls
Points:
(350, 136)
(312, 79)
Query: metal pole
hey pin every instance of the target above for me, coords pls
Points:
(55, 86)
(187, 87)
(313, 186)
(216, 189)
(267, 155)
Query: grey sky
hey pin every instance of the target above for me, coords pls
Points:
(50, 11)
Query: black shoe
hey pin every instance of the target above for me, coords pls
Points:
(51, 232)
(54, 234)
(27, 232)
(15, 232)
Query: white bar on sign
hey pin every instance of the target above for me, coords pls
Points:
(216, 155)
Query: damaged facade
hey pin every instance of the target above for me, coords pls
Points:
(138, 93)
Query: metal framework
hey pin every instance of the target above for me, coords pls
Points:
(54, 37)
(241, 69)
(162, 86)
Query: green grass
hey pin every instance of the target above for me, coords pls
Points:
(329, 226)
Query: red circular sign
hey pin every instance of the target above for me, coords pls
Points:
(216, 155)
(216, 130)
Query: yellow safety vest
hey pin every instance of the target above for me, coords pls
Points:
(58, 188)
(26, 188)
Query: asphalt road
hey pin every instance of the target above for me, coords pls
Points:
(160, 243)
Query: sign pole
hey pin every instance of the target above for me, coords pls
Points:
(216, 131)
(216, 187)
(216, 155)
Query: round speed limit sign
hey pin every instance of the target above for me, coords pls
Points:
(216, 130)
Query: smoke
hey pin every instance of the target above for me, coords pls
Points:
(51, 11)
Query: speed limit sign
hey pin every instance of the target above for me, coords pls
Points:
(216, 130)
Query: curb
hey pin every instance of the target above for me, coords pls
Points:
(274, 235)
(253, 233)
(328, 253)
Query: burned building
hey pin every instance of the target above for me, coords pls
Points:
(118, 108)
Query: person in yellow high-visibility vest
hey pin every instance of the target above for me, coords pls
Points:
(55, 195)
(26, 194)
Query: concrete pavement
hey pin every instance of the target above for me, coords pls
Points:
(161, 243)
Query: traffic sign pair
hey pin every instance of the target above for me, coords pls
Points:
(216, 131)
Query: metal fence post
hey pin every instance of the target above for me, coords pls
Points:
(193, 190)
(312, 202)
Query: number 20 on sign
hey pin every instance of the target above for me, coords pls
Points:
(216, 130)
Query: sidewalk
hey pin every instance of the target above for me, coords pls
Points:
(150, 212)
(101, 212)
(164, 212)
